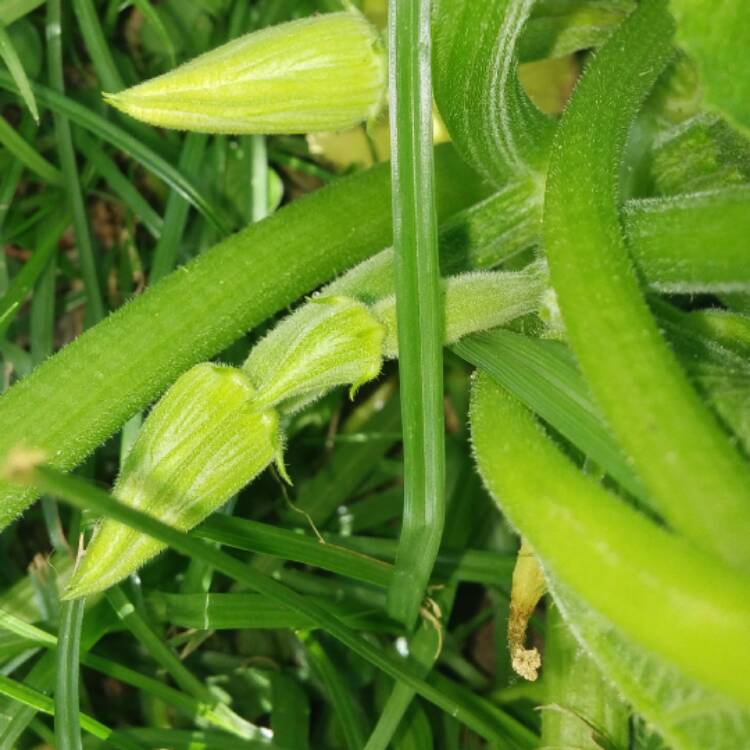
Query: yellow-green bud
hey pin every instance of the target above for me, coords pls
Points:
(328, 342)
(202, 443)
(326, 72)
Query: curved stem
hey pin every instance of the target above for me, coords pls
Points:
(696, 477)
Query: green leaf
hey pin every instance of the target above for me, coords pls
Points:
(16, 69)
(718, 38)
(689, 716)
(419, 308)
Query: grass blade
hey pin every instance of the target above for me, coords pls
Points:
(543, 375)
(166, 657)
(271, 540)
(290, 719)
(27, 155)
(25, 279)
(120, 184)
(418, 305)
(347, 710)
(97, 46)
(15, 68)
(175, 216)
(476, 713)
(151, 14)
(28, 696)
(94, 303)
(67, 728)
(121, 139)
(12, 10)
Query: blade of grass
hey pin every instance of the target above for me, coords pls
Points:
(257, 612)
(66, 155)
(543, 375)
(67, 727)
(175, 216)
(152, 16)
(17, 691)
(27, 154)
(121, 185)
(418, 305)
(471, 565)
(290, 715)
(124, 141)
(165, 657)
(14, 719)
(97, 46)
(426, 644)
(493, 724)
(189, 705)
(347, 710)
(25, 279)
(259, 183)
(183, 739)
(8, 186)
(15, 68)
(271, 540)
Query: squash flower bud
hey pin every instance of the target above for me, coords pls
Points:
(329, 342)
(321, 73)
(202, 443)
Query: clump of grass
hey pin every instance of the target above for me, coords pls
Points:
(537, 391)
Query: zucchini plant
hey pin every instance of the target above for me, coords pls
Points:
(402, 401)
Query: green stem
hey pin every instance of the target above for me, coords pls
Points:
(419, 313)
(67, 728)
(584, 536)
(79, 397)
(696, 477)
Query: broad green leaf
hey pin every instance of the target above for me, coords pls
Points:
(689, 716)
(717, 36)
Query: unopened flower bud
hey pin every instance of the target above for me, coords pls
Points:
(203, 442)
(326, 72)
(329, 342)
